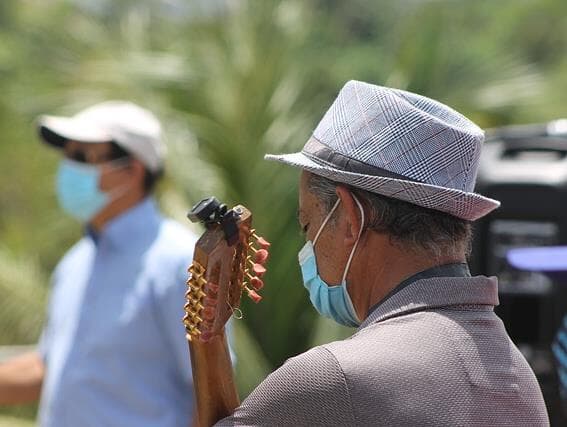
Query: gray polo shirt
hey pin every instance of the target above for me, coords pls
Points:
(432, 354)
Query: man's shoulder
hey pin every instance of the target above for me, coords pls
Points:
(308, 389)
(174, 238)
(402, 347)
(432, 346)
(169, 256)
(312, 384)
(80, 251)
(173, 226)
(313, 358)
(311, 370)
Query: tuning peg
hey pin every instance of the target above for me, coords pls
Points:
(253, 295)
(255, 282)
(260, 255)
(263, 243)
(258, 269)
(192, 333)
(197, 294)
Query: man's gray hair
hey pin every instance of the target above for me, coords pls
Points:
(416, 228)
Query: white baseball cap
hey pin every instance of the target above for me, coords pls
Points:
(133, 128)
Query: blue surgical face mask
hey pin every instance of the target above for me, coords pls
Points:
(330, 301)
(77, 190)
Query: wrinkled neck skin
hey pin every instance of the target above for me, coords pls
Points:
(379, 266)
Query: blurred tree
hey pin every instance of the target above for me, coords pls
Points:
(253, 98)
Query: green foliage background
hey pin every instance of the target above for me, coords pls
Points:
(232, 80)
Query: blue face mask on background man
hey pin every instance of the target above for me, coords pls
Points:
(78, 190)
(330, 301)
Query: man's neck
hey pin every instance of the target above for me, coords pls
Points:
(115, 208)
(383, 266)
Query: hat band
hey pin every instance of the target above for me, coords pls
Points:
(319, 152)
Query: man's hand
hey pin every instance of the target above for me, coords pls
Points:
(21, 378)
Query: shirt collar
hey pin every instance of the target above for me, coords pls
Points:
(92, 233)
(446, 270)
(130, 226)
(440, 286)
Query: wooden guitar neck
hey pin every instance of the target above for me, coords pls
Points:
(213, 380)
(225, 264)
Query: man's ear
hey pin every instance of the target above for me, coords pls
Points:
(352, 215)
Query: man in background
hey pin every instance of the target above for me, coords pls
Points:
(113, 351)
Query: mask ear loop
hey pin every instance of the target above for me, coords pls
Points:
(357, 237)
(325, 221)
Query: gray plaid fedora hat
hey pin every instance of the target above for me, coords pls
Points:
(400, 145)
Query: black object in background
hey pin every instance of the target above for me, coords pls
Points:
(525, 167)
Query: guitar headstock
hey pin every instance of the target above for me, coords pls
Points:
(228, 260)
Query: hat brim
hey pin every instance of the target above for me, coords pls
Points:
(549, 259)
(465, 205)
(57, 131)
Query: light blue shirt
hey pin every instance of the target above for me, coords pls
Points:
(114, 344)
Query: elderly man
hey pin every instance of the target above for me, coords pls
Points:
(386, 203)
(113, 351)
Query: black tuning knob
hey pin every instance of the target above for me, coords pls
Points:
(210, 211)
